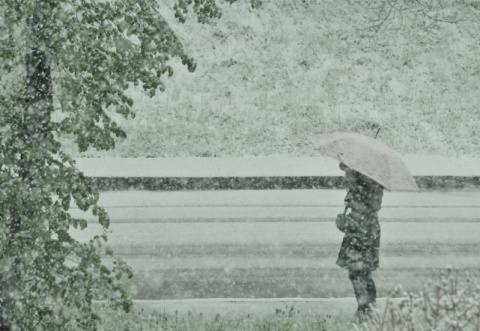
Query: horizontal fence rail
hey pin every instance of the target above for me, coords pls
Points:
(425, 183)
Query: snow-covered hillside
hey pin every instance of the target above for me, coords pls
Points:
(267, 78)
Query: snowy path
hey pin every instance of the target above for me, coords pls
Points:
(286, 205)
(280, 244)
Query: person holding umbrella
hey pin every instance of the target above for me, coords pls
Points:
(370, 166)
(360, 246)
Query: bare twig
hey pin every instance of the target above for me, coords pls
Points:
(377, 26)
(387, 10)
(435, 19)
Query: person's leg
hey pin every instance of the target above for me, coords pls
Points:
(371, 288)
(354, 276)
(364, 289)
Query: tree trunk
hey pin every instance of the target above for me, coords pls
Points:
(34, 132)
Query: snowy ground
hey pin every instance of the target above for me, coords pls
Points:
(257, 308)
(280, 244)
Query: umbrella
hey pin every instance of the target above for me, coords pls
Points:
(368, 156)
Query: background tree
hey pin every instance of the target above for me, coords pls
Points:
(64, 68)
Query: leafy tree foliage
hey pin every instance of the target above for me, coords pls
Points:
(64, 69)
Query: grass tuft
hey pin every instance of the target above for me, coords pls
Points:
(448, 302)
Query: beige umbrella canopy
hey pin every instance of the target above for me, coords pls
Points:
(368, 156)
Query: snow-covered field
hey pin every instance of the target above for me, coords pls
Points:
(268, 78)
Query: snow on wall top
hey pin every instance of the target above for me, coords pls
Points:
(275, 166)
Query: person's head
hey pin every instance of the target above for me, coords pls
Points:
(350, 175)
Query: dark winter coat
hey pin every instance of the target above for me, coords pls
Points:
(359, 250)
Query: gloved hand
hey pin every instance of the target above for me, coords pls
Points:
(341, 222)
